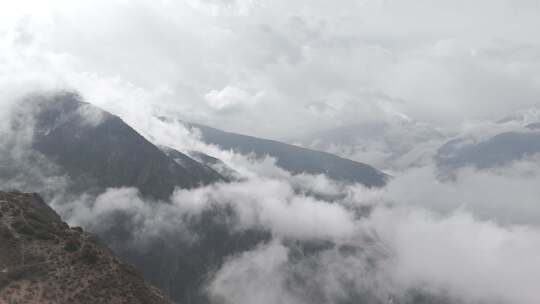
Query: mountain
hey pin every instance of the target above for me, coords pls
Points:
(99, 150)
(43, 260)
(498, 150)
(294, 159)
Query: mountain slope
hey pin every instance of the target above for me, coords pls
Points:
(43, 260)
(496, 151)
(98, 150)
(293, 158)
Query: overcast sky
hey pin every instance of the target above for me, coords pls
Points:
(280, 68)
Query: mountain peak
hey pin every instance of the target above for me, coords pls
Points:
(98, 150)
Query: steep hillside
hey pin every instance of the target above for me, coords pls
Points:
(98, 150)
(43, 260)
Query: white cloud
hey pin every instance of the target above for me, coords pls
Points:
(230, 97)
(477, 261)
(254, 277)
(473, 238)
(506, 195)
(354, 59)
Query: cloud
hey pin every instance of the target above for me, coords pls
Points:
(255, 276)
(21, 167)
(417, 235)
(281, 70)
(477, 261)
(446, 239)
(330, 241)
(229, 97)
(481, 253)
(259, 203)
(506, 195)
(319, 65)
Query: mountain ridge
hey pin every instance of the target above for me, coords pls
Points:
(294, 159)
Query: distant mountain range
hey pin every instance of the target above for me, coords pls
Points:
(293, 158)
(499, 150)
(512, 138)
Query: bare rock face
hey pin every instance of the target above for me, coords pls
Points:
(43, 260)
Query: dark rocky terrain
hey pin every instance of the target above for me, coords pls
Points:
(43, 260)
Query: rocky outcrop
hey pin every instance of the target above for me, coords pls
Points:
(43, 260)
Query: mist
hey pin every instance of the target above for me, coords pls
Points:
(470, 239)
(383, 82)
(358, 61)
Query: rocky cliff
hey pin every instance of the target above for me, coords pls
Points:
(43, 260)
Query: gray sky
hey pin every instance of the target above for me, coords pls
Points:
(280, 68)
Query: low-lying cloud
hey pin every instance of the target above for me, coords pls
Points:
(472, 239)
